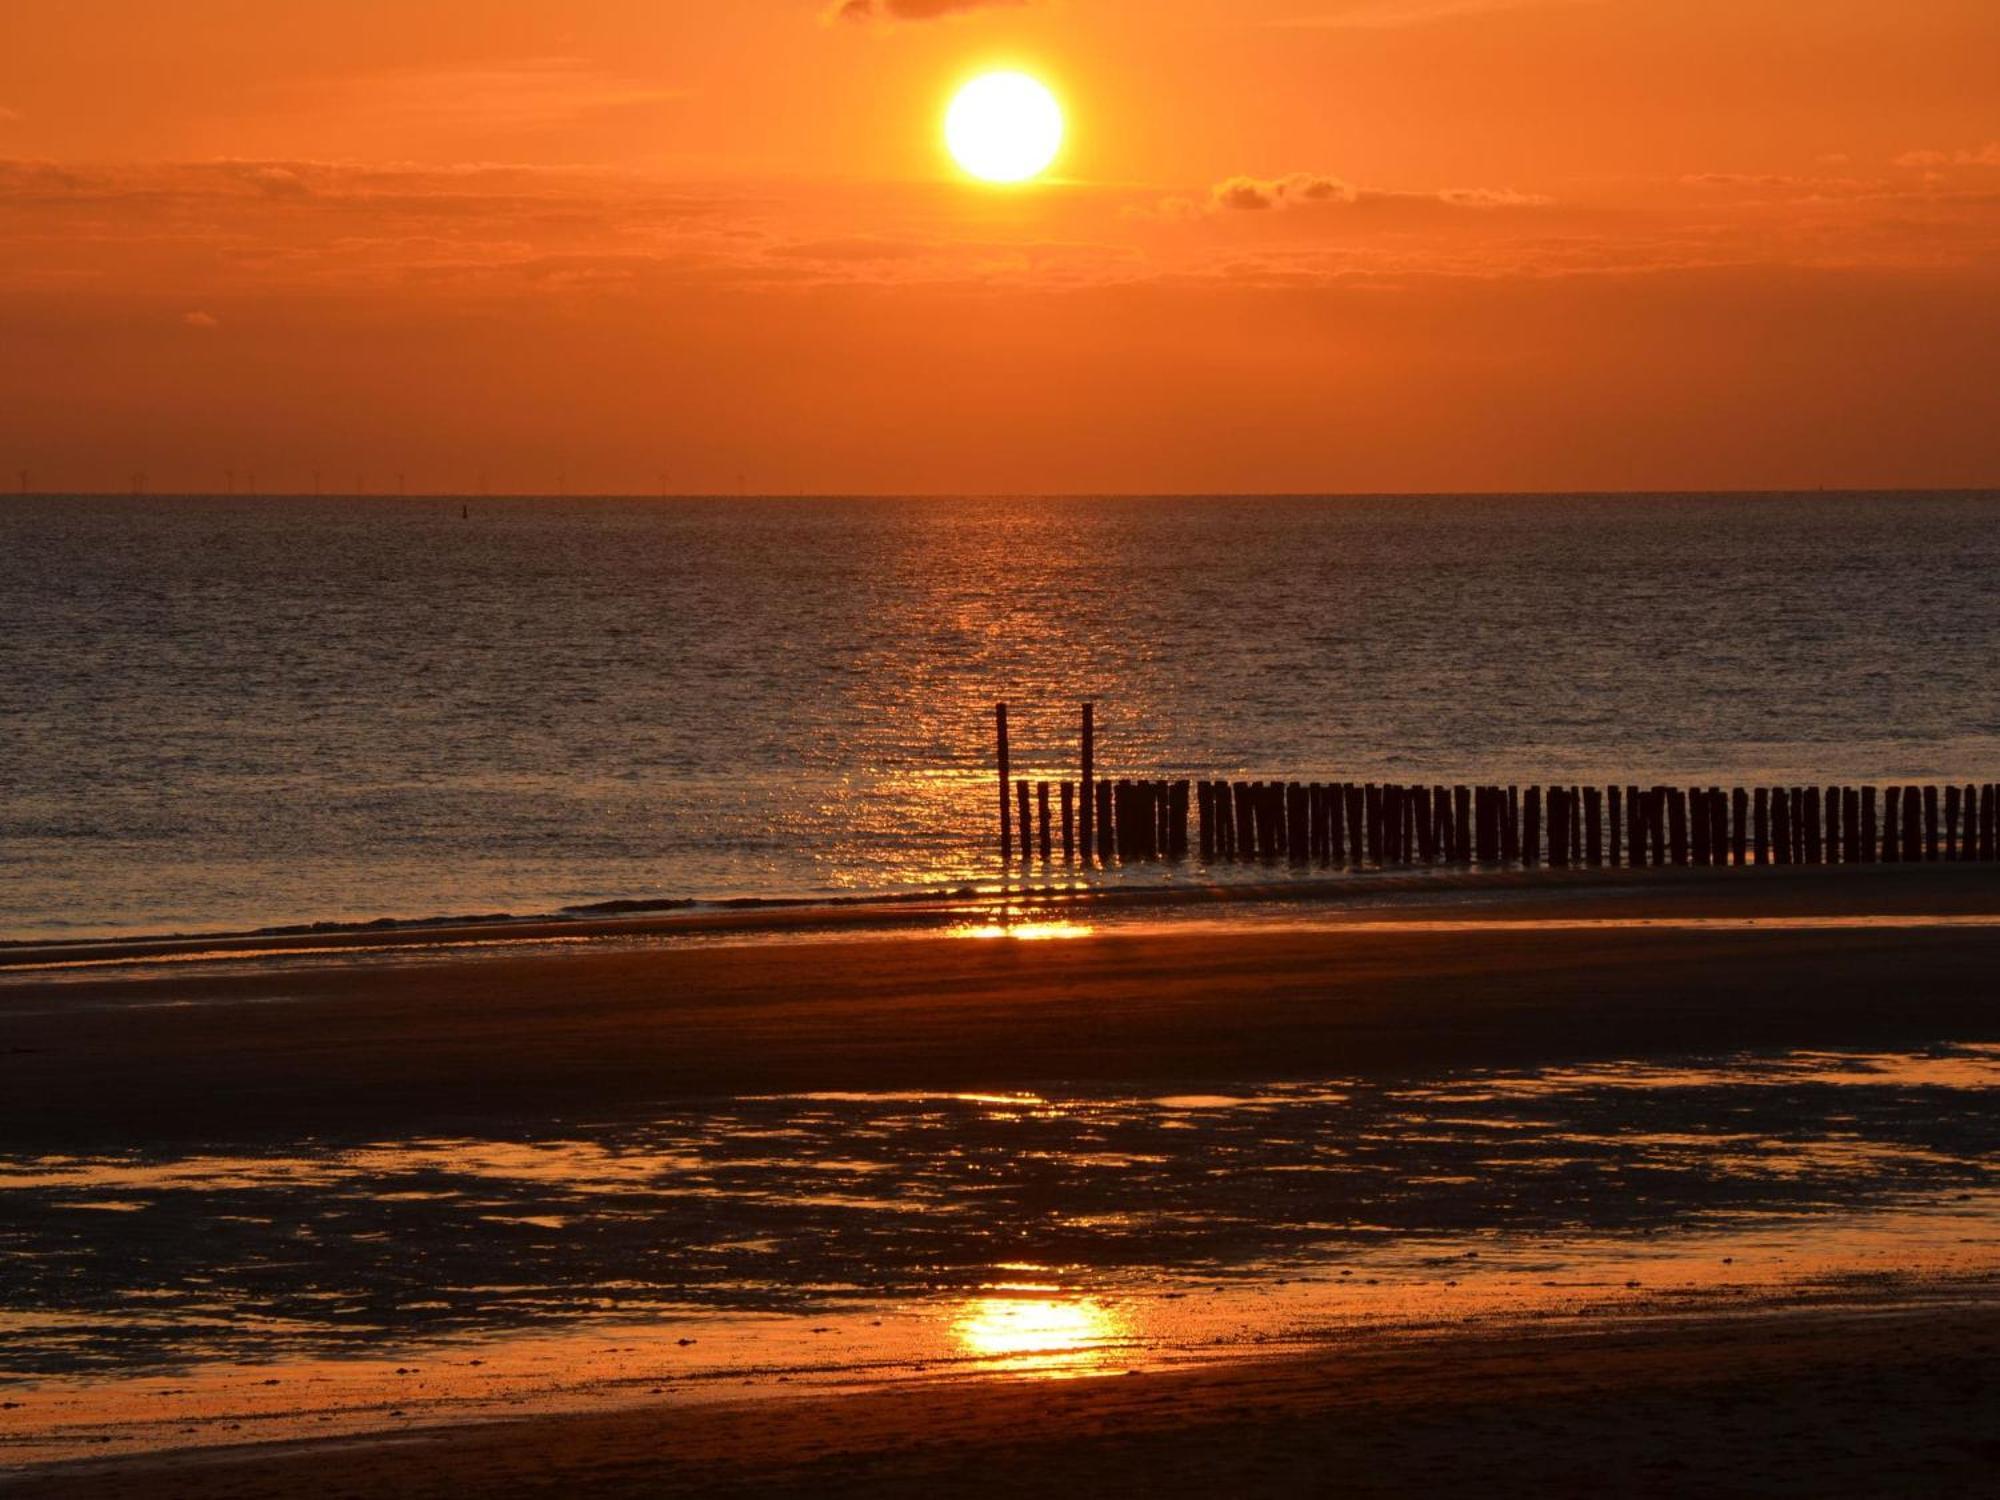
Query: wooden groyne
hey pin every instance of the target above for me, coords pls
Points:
(1129, 820)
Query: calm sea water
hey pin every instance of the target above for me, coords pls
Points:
(219, 713)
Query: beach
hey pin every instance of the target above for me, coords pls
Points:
(1849, 1359)
(414, 1036)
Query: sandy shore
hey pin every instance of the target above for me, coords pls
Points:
(1894, 1395)
(1859, 1399)
(364, 1046)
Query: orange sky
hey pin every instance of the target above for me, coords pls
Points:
(1294, 245)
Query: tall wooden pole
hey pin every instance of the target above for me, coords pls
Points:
(1006, 794)
(1089, 774)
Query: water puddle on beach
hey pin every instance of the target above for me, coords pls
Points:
(806, 1242)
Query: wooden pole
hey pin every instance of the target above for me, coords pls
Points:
(1461, 817)
(1718, 827)
(1593, 819)
(1089, 774)
(1913, 828)
(1931, 824)
(1698, 824)
(1336, 822)
(1559, 826)
(1027, 826)
(1781, 825)
(1069, 822)
(1510, 827)
(1614, 820)
(1298, 844)
(1177, 819)
(1850, 819)
(1006, 798)
(1106, 828)
(1892, 843)
(1833, 825)
(1204, 797)
(1531, 826)
(1042, 802)
(1739, 806)
(1763, 826)
(1357, 823)
(1809, 806)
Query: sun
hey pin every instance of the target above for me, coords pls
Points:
(1004, 127)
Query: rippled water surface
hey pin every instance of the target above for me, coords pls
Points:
(227, 713)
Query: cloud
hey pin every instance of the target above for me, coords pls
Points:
(202, 320)
(1389, 15)
(1293, 190)
(1987, 155)
(1298, 190)
(910, 10)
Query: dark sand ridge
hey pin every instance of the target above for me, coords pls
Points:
(370, 1047)
(1862, 1400)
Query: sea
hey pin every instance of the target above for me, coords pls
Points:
(231, 713)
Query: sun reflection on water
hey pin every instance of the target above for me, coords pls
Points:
(1040, 1336)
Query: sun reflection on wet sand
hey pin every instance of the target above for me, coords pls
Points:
(1044, 1337)
(1027, 932)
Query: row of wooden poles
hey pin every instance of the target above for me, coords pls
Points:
(1127, 820)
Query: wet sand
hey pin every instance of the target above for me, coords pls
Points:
(1855, 1399)
(1896, 1394)
(388, 1043)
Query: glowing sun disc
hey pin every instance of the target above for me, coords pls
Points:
(1004, 127)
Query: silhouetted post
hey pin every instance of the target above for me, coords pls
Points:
(1781, 826)
(1510, 827)
(1069, 822)
(1027, 827)
(1089, 772)
(1356, 798)
(1204, 796)
(1931, 824)
(1461, 818)
(1106, 828)
(1913, 828)
(1614, 819)
(1698, 824)
(1371, 801)
(1006, 798)
(1656, 813)
(1968, 847)
(1833, 845)
(1177, 819)
(1531, 826)
(1559, 826)
(1593, 820)
(1718, 827)
(1763, 826)
(1336, 821)
(1042, 802)
(1315, 824)
(1892, 840)
(1297, 848)
(1989, 817)
(1809, 807)
(1850, 822)
(1677, 824)
(1739, 806)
